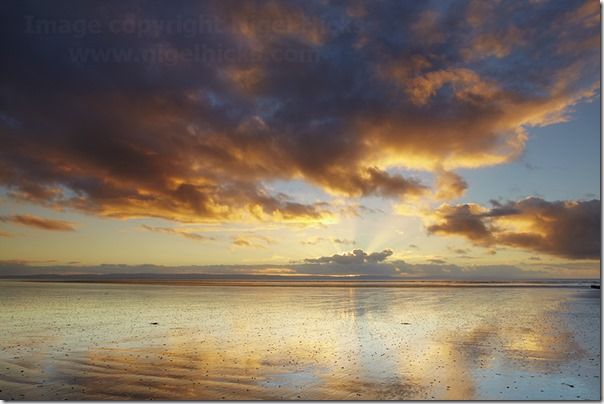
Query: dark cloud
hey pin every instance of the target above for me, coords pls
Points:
(355, 257)
(39, 222)
(397, 270)
(459, 250)
(437, 261)
(464, 219)
(569, 229)
(378, 256)
(471, 272)
(199, 139)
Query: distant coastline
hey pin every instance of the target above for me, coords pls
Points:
(297, 281)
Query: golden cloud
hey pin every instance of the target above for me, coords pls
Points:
(179, 232)
(39, 222)
(204, 140)
(252, 241)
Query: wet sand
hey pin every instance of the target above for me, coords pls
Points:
(128, 341)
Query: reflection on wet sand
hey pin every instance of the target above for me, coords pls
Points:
(89, 341)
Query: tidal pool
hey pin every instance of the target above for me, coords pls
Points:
(128, 341)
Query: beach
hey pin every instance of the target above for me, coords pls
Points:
(141, 341)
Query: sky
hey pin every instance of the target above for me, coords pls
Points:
(408, 139)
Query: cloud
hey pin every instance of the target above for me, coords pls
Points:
(463, 219)
(317, 240)
(343, 241)
(569, 229)
(179, 232)
(39, 222)
(313, 241)
(437, 261)
(202, 140)
(439, 270)
(252, 241)
(449, 185)
(355, 257)
(40, 264)
(458, 250)
(397, 270)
